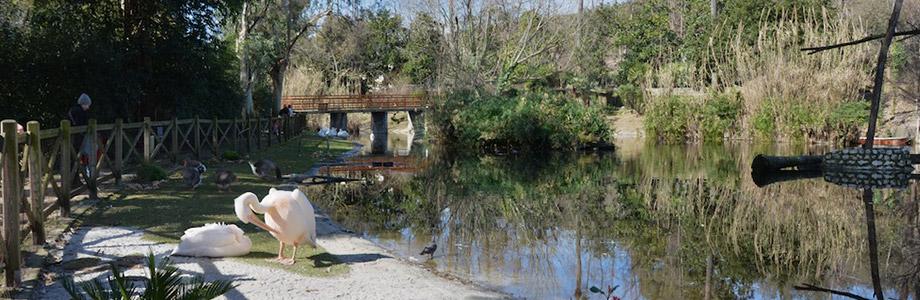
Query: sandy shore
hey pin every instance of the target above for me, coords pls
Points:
(374, 273)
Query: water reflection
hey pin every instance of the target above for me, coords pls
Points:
(680, 222)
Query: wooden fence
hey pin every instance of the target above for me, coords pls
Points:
(34, 160)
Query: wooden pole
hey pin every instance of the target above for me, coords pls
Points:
(118, 141)
(197, 137)
(235, 130)
(12, 191)
(248, 123)
(215, 137)
(258, 133)
(174, 140)
(148, 140)
(271, 127)
(877, 91)
(65, 165)
(36, 186)
(90, 172)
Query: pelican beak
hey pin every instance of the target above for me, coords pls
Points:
(255, 220)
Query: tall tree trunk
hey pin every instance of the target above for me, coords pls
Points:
(245, 74)
(277, 74)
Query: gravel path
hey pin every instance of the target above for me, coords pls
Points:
(374, 273)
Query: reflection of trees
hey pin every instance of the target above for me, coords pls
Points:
(692, 226)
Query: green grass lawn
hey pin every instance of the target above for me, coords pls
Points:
(165, 213)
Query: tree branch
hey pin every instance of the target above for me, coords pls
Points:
(814, 288)
(258, 17)
(303, 29)
(813, 50)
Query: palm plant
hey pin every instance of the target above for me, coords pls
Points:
(164, 282)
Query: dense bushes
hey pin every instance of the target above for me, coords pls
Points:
(531, 122)
(678, 118)
(713, 118)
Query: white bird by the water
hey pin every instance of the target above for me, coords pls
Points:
(323, 132)
(342, 134)
(289, 217)
(213, 240)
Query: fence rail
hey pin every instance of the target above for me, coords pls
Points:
(356, 103)
(42, 168)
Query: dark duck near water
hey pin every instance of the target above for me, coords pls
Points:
(191, 177)
(223, 179)
(430, 250)
(265, 169)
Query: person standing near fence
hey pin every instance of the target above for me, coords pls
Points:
(79, 115)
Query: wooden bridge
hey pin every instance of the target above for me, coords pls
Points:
(356, 103)
(374, 163)
(339, 106)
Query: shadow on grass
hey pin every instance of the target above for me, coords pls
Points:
(165, 213)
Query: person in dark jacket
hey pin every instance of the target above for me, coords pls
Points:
(79, 115)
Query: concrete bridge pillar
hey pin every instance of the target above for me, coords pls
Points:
(379, 122)
(338, 120)
(417, 121)
(380, 139)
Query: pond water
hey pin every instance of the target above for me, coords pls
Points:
(657, 222)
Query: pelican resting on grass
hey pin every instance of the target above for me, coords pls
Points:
(288, 217)
(223, 179)
(265, 169)
(213, 240)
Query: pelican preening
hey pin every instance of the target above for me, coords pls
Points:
(213, 240)
(289, 218)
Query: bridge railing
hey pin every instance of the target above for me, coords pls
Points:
(336, 103)
(41, 167)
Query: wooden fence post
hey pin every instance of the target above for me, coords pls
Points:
(258, 133)
(12, 191)
(215, 136)
(91, 173)
(36, 186)
(271, 129)
(174, 140)
(235, 130)
(148, 143)
(248, 129)
(118, 140)
(197, 137)
(65, 165)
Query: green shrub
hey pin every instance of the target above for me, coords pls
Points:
(718, 116)
(764, 121)
(148, 172)
(231, 155)
(668, 118)
(532, 122)
(631, 96)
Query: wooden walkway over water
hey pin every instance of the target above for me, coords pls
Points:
(356, 103)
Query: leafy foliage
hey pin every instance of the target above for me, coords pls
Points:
(164, 59)
(164, 282)
(532, 122)
(149, 172)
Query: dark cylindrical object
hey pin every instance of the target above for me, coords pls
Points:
(763, 163)
(762, 179)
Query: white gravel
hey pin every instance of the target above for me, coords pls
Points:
(373, 274)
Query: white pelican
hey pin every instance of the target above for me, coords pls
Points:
(213, 240)
(288, 217)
